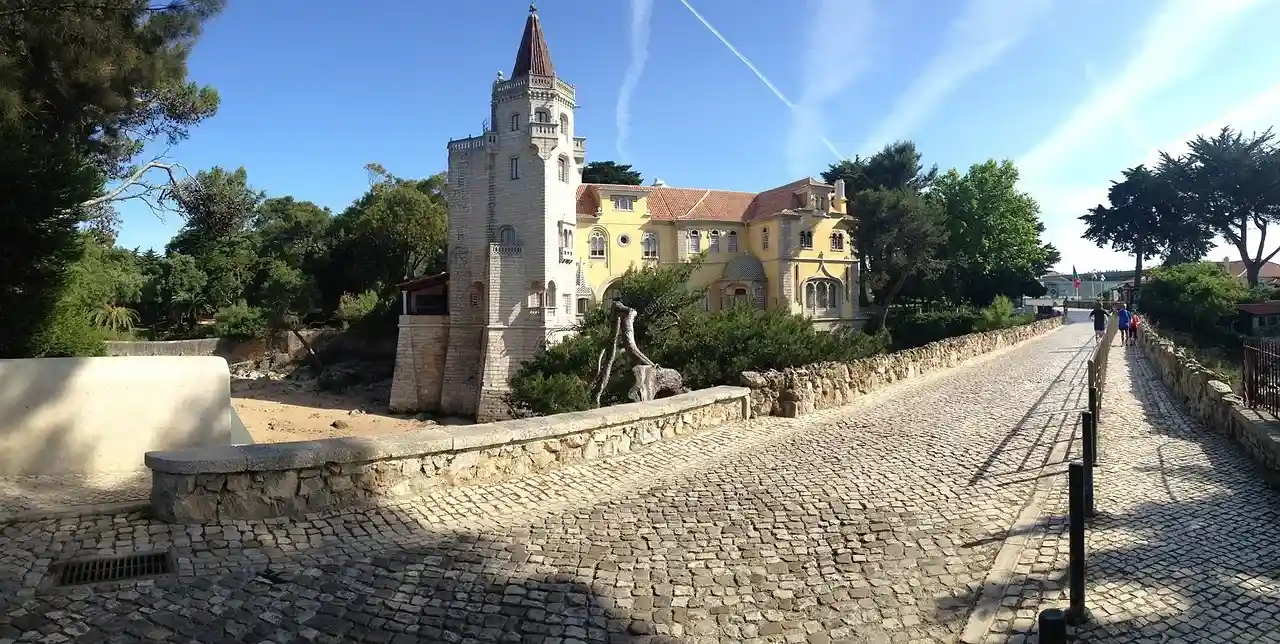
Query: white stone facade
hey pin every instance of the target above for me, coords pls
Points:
(511, 225)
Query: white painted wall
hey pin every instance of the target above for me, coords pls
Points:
(91, 415)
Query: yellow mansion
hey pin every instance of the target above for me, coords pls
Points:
(531, 247)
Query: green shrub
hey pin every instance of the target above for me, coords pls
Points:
(1000, 314)
(1197, 297)
(917, 329)
(68, 333)
(352, 308)
(538, 394)
(710, 349)
(707, 349)
(241, 322)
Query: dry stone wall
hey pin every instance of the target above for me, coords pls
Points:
(1212, 401)
(801, 390)
(290, 479)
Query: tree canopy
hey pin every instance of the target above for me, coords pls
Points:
(611, 173)
(962, 238)
(120, 81)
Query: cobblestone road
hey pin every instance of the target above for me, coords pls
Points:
(876, 522)
(1186, 545)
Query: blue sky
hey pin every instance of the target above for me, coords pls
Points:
(736, 95)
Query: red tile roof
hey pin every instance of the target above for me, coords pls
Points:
(1261, 308)
(1268, 271)
(533, 57)
(698, 204)
(426, 281)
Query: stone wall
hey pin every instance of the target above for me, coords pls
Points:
(797, 391)
(1212, 401)
(232, 350)
(289, 479)
(332, 342)
(420, 362)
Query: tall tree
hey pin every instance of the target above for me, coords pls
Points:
(1233, 182)
(903, 234)
(898, 167)
(1145, 218)
(994, 246)
(84, 86)
(609, 172)
(395, 231)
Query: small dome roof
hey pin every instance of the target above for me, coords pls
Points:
(746, 268)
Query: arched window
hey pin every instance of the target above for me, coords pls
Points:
(715, 241)
(542, 116)
(551, 295)
(564, 125)
(649, 246)
(597, 244)
(695, 242)
(507, 236)
(582, 305)
(806, 239)
(822, 297)
(515, 122)
(612, 293)
(535, 295)
(837, 240)
(562, 169)
(733, 241)
(740, 297)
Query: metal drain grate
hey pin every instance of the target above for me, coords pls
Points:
(108, 569)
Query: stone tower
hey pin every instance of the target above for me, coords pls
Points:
(512, 217)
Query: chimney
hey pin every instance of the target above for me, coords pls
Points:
(658, 183)
(840, 192)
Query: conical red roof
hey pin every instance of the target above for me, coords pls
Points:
(533, 57)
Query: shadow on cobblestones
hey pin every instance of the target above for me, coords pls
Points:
(1184, 547)
(456, 587)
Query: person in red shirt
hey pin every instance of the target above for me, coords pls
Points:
(1134, 323)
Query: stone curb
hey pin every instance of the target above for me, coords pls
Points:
(74, 511)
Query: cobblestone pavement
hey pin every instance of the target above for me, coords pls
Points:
(1185, 547)
(22, 494)
(875, 522)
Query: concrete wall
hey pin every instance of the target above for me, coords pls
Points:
(327, 341)
(291, 479)
(88, 415)
(420, 359)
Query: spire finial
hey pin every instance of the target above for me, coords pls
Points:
(533, 8)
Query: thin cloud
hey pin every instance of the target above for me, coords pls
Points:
(1174, 44)
(641, 13)
(760, 75)
(831, 66)
(1064, 204)
(983, 33)
(1256, 114)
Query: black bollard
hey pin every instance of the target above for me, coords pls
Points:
(1087, 447)
(1053, 626)
(1075, 572)
(1093, 400)
(1092, 431)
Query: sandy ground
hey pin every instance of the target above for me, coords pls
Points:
(276, 411)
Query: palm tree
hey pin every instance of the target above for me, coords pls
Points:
(115, 318)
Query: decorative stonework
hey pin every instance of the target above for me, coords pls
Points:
(802, 390)
(1212, 401)
(291, 479)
